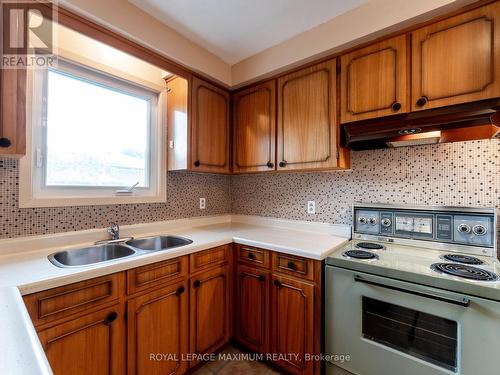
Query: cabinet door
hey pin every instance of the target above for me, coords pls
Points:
(374, 81)
(292, 317)
(457, 60)
(252, 308)
(177, 123)
(91, 344)
(210, 314)
(254, 129)
(307, 127)
(210, 128)
(158, 323)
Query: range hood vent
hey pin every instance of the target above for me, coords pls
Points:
(463, 122)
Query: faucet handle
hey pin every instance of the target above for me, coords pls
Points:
(114, 230)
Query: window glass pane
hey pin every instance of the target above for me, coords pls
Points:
(96, 136)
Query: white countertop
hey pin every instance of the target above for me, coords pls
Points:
(24, 267)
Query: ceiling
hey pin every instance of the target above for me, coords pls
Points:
(236, 29)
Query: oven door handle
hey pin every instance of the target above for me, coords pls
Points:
(464, 302)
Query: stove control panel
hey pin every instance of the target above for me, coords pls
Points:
(472, 227)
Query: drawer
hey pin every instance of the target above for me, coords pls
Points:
(293, 265)
(209, 258)
(253, 256)
(57, 303)
(156, 274)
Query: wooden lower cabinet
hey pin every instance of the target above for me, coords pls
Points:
(292, 319)
(157, 328)
(210, 310)
(91, 344)
(252, 308)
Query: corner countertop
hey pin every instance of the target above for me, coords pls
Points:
(25, 269)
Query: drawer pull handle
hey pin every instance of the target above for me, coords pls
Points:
(197, 283)
(197, 163)
(422, 101)
(5, 142)
(291, 266)
(262, 278)
(396, 106)
(277, 283)
(110, 318)
(180, 290)
(251, 256)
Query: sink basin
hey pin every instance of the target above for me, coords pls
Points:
(90, 255)
(158, 243)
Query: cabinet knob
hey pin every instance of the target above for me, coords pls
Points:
(197, 283)
(396, 106)
(251, 256)
(270, 165)
(262, 277)
(180, 290)
(291, 265)
(277, 283)
(421, 101)
(282, 164)
(5, 142)
(196, 163)
(110, 318)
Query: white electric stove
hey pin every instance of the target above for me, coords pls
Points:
(417, 291)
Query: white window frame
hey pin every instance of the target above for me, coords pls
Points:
(32, 189)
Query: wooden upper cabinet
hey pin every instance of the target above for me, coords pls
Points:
(91, 344)
(374, 80)
(307, 126)
(457, 60)
(254, 120)
(210, 128)
(177, 123)
(158, 323)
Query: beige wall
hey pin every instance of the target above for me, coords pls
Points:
(128, 20)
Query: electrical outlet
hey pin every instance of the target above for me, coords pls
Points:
(311, 207)
(203, 203)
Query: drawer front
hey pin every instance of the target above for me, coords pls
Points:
(156, 274)
(64, 301)
(293, 265)
(209, 258)
(253, 256)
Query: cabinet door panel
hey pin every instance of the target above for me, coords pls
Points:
(307, 128)
(292, 317)
(210, 135)
(457, 60)
(158, 323)
(255, 128)
(209, 305)
(375, 81)
(252, 314)
(92, 344)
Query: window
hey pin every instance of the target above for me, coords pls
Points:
(95, 139)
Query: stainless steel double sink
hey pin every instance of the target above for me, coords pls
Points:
(112, 251)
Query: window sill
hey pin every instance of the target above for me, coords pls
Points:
(26, 202)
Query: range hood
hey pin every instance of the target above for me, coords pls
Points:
(463, 122)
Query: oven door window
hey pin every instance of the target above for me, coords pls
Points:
(425, 336)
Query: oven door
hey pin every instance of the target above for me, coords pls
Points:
(379, 326)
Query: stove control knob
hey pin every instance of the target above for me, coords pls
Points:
(479, 230)
(464, 228)
(362, 220)
(373, 221)
(386, 222)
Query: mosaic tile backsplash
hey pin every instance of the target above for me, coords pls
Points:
(183, 192)
(465, 173)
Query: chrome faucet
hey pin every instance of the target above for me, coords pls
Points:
(114, 231)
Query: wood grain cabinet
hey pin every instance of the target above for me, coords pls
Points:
(158, 322)
(91, 344)
(375, 80)
(457, 60)
(307, 123)
(252, 308)
(210, 316)
(292, 319)
(210, 128)
(254, 128)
